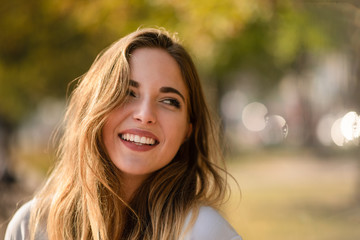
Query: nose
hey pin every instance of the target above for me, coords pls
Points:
(145, 112)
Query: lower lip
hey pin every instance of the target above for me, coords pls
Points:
(138, 148)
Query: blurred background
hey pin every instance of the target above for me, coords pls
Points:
(284, 76)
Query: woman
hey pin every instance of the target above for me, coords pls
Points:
(138, 157)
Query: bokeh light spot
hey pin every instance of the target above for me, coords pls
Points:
(253, 116)
(336, 134)
(275, 131)
(350, 126)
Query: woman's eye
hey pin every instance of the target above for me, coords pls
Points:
(131, 93)
(172, 102)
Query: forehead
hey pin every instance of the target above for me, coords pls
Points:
(156, 66)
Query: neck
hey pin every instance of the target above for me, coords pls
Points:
(130, 184)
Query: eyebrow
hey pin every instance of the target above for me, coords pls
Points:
(171, 90)
(135, 84)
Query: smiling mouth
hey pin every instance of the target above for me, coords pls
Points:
(138, 140)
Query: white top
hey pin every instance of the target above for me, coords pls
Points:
(209, 225)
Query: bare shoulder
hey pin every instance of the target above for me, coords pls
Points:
(211, 225)
(18, 226)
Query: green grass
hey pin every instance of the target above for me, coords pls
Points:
(286, 196)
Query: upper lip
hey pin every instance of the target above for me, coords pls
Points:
(141, 133)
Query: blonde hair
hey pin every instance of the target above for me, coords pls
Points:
(83, 199)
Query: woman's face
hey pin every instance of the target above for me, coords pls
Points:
(144, 134)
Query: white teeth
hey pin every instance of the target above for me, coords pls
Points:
(137, 139)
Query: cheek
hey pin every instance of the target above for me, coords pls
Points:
(107, 137)
(109, 129)
(177, 130)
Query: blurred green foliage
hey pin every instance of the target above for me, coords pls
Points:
(46, 44)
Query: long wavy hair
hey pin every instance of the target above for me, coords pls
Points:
(83, 198)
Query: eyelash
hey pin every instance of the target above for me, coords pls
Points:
(172, 102)
(131, 93)
(169, 101)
